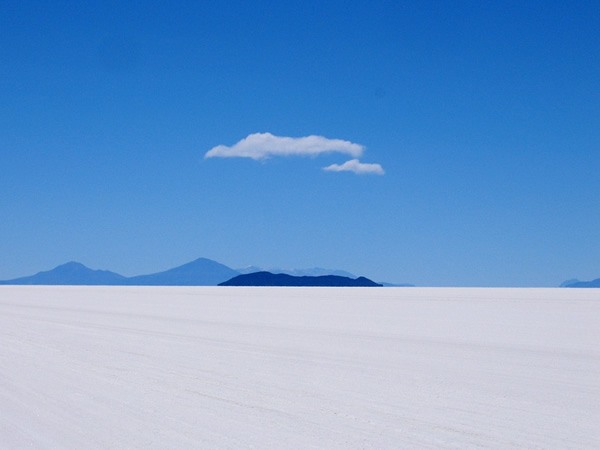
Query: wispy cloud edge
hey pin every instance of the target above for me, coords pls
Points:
(359, 168)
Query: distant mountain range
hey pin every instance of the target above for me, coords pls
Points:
(283, 279)
(200, 272)
(581, 284)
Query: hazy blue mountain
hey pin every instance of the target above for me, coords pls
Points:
(201, 272)
(309, 272)
(249, 269)
(568, 282)
(582, 284)
(71, 273)
(384, 284)
(314, 272)
(282, 279)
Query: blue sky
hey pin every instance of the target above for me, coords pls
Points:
(484, 116)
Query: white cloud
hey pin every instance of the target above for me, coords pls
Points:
(354, 165)
(264, 145)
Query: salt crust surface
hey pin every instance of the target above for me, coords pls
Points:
(215, 367)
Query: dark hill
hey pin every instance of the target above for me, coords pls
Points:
(281, 279)
(71, 273)
(201, 272)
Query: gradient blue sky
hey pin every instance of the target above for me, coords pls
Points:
(484, 115)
